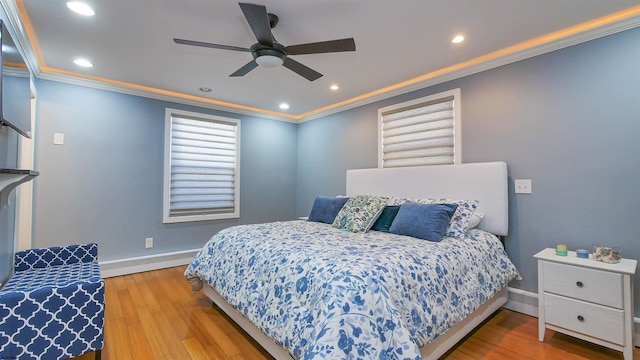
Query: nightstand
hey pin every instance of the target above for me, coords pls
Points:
(587, 299)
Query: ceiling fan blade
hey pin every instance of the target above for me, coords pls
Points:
(301, 70)
(258, 20)
(245, 69)
(322, 47)
(209, 45)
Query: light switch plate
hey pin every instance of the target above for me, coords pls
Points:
(58, 139)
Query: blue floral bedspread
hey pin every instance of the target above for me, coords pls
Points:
(323, 293)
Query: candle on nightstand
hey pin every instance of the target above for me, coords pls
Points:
(561, 250)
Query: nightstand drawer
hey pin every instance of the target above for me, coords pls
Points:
(586, 318)
(596, 286)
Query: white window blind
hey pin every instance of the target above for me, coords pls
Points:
(420, 132)
(201, 171)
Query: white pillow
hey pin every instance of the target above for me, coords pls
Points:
(474, 220)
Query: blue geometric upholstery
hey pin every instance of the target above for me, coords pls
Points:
(53, 306)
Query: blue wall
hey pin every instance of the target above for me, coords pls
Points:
(568, 120)
(105, 183)
(328, 147)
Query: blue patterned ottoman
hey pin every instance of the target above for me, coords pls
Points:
(53, 306)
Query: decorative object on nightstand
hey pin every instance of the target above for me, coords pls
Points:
(587, 299)
(608, 254)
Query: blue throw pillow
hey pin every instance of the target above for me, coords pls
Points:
(386, 218)
(325, 209)
(423, 221)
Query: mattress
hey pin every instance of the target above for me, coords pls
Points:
(322, 293)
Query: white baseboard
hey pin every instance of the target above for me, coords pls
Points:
(522, 301)
(134, 265)
(526, 302)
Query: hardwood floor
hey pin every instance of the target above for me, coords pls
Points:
(154, 315)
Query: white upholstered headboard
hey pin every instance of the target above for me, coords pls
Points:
(486, 182)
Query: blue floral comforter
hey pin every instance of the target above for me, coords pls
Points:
(327, 294)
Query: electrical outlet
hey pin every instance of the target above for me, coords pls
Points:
(148, 243)
(523, 186)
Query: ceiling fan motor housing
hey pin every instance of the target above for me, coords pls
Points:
(273, 20)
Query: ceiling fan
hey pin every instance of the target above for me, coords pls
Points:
(267, 52)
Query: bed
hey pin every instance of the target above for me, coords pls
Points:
(308, 290)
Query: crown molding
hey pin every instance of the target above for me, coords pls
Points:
(19, 35)
(158, 94)
(552, 42)
(478, 67)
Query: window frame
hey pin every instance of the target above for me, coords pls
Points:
(457, 127)
(167, 218)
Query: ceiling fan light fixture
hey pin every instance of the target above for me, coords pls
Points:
(268, 57)
(269, 61)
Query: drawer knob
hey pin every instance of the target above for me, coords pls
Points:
(580, 318)
(580, 284)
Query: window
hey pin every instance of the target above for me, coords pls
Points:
(201, 171)
(424, 131)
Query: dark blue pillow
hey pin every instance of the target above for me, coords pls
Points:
(386, 218)
(325, 209)
(423, 221)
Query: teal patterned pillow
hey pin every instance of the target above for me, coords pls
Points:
(359, 213)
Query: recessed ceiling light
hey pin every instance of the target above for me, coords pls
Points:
(457, 39)
(284, 106)
(334, 87)
(205, 89)
(83, 62)
(81, 8)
